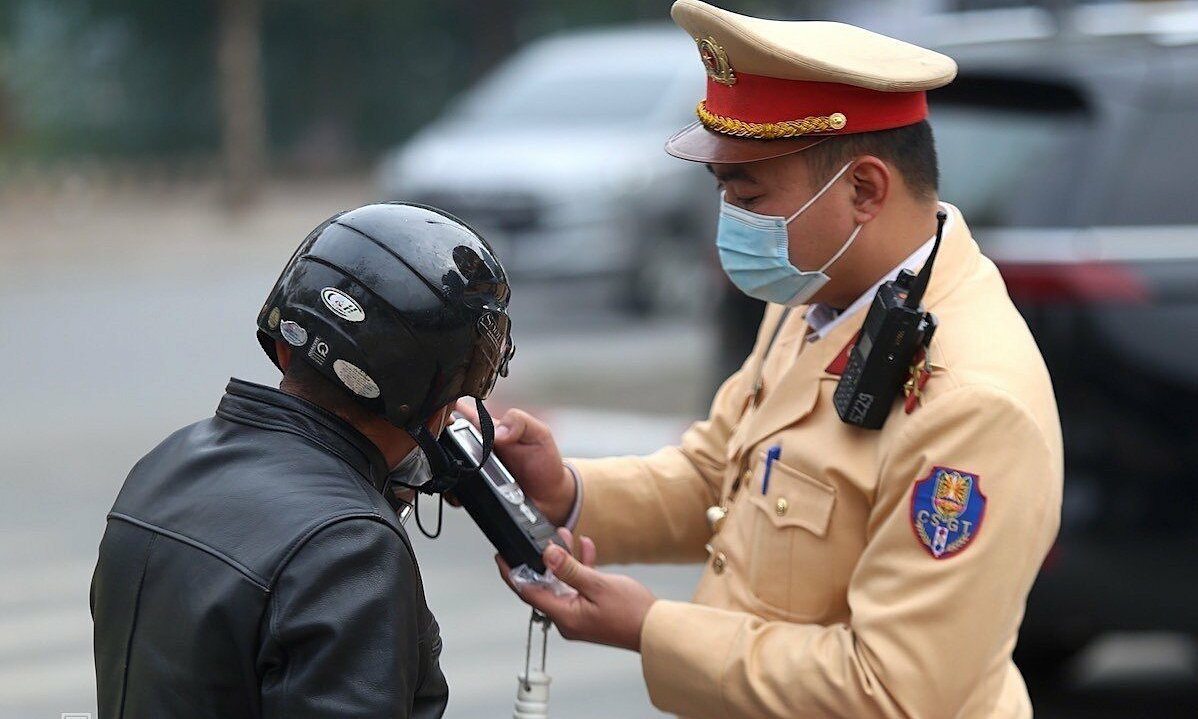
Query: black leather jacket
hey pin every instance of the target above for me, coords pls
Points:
(251, 568)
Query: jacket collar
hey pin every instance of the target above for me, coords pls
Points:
(270, 408)
(797, 369)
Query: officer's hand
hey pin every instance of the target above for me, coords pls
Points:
(608, 608)
(526, 447)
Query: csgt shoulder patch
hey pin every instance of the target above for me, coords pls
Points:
(947, 508)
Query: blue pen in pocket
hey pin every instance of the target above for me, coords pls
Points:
(774, 453)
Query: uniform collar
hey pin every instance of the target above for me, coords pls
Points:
(794, 373)
(270, 408)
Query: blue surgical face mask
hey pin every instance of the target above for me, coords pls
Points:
(755, 253)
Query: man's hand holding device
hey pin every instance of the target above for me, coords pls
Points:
(526, 447)
(608, 608)
(605, 608)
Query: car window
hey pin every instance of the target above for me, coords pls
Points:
(579, 82)
(993, 164)
(1154, 183)
(1011, 152)
(596, 98)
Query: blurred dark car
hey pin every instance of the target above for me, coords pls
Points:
(1074, 157)
(556, 157)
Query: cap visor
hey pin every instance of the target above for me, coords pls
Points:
(698, 144)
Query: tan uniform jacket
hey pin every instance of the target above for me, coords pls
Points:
(819, 597)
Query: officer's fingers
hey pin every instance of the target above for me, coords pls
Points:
(567, 537)
(557, 608)
(511, 427)
(572, 572)
(466, 408)
(578, 546)
(451, 500)
(524, 428)
(588, 551)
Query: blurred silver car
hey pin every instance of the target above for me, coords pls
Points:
(556, 158)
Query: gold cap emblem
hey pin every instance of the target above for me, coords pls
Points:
(716, 61)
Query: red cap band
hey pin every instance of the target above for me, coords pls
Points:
(762, 99)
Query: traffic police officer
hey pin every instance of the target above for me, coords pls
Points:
(849, 572)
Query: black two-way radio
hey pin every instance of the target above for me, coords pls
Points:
(517, 529)
(895, 329)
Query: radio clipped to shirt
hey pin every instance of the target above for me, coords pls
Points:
(513, 524)
(896, 328)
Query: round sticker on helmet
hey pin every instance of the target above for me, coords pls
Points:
(293, 333)
(342, 304)
(358, 381)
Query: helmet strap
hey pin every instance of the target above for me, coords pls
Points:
(448, 471)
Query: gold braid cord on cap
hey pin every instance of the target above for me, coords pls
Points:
(768, 130)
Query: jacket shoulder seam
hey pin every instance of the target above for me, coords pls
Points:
(245, 571)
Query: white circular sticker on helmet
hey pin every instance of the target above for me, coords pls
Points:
(342, 304)
(293, 333)
(358, 381)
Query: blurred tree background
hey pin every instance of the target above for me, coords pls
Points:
(251, 86)
(323, 84)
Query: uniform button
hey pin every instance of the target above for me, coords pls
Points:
(719, 562)
(781, 507)
(715, 518)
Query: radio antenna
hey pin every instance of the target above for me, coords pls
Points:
(915, 296)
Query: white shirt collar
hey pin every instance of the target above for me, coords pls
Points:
(822, 319)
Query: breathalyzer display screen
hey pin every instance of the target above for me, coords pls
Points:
(469, 441)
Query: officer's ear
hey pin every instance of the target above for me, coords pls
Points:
(871, 182)
(283, 352)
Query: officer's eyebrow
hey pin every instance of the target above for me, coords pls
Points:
(738, 173)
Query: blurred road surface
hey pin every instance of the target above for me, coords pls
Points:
(125, 314)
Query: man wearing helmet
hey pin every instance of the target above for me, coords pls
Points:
(254, 564)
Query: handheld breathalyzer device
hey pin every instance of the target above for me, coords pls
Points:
(513, 524)
(895, 329)
(519, 532)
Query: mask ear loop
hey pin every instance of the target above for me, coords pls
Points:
(821, 192)
(843, 248)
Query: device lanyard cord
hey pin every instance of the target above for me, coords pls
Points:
(440, 515)
(532, 691)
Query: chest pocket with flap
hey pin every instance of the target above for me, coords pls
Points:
(789, 560)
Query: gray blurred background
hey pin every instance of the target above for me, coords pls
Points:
(160, 161)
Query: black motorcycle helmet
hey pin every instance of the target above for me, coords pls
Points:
(402, 305)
